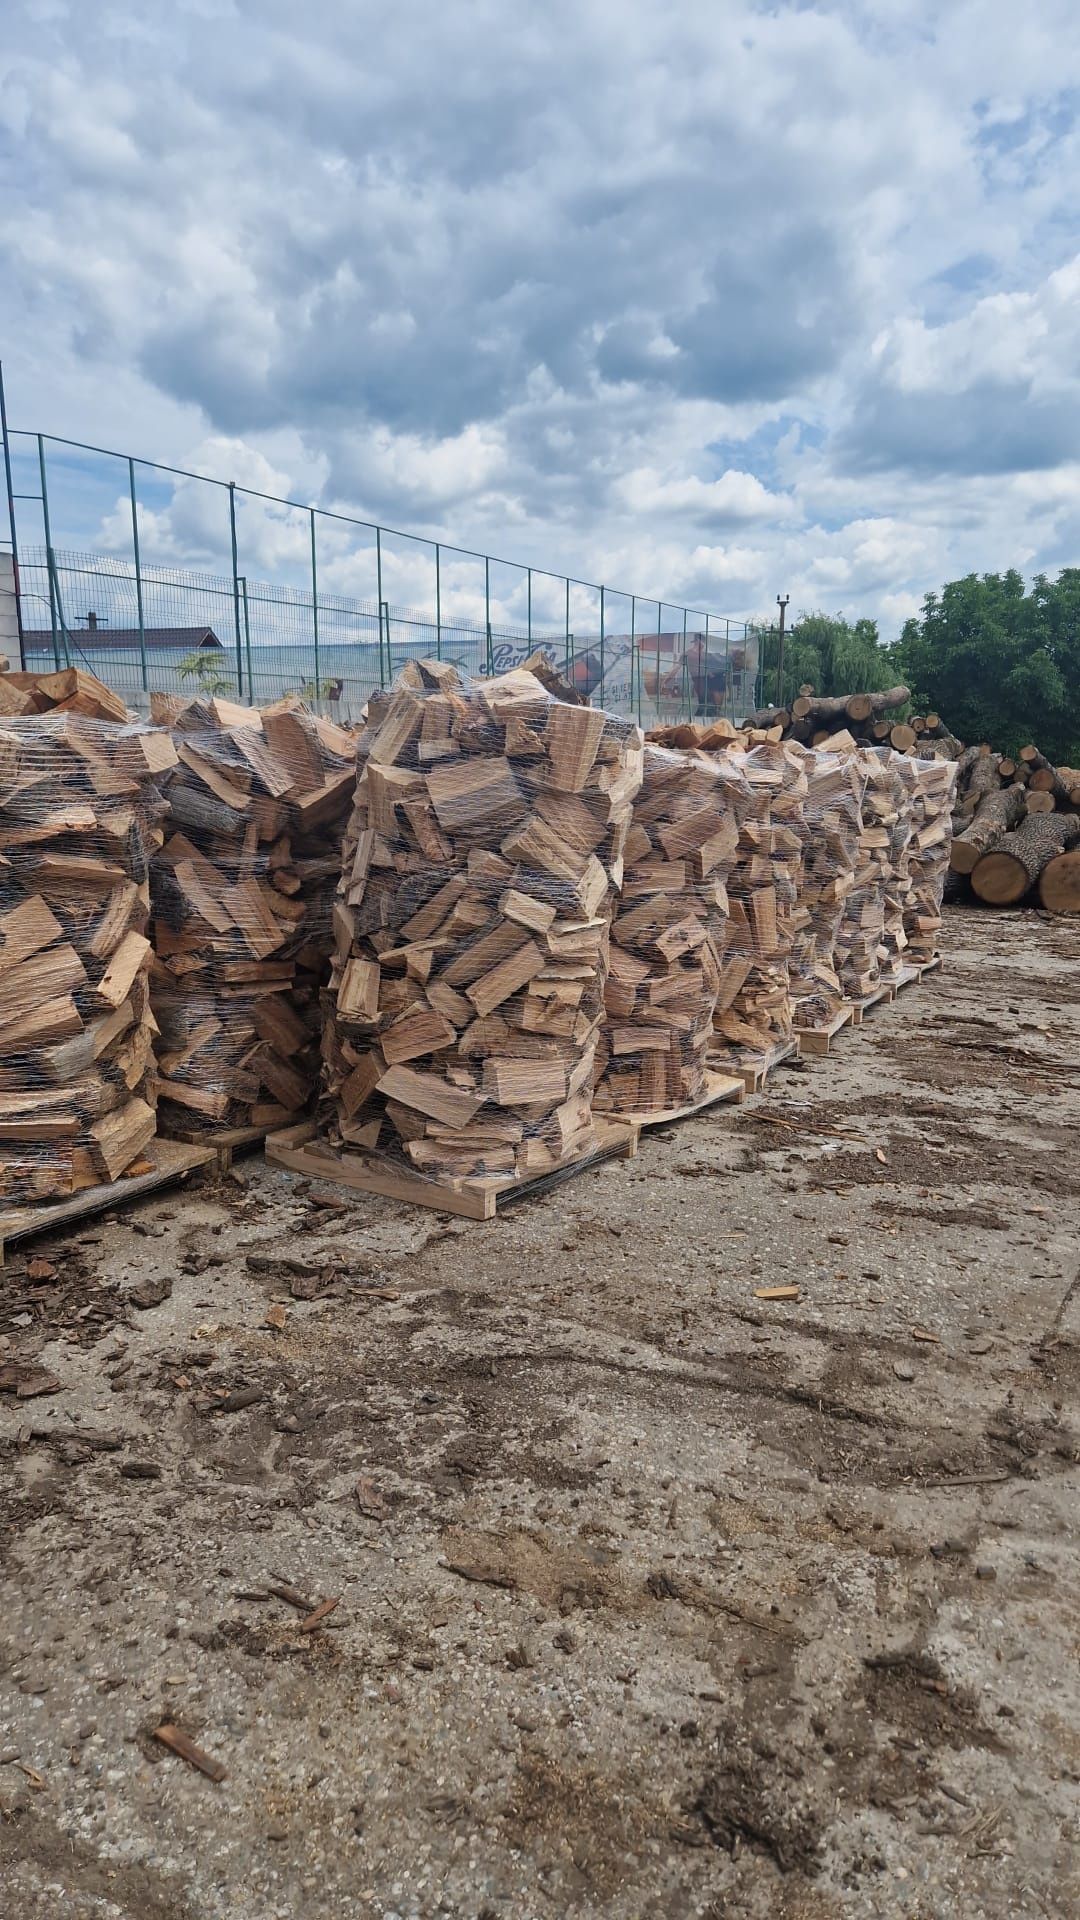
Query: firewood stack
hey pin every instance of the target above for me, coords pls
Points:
(928, 856)
(754, 1012)
(243, 891)
(831, 854)
(871, 937)
(669, 932)
(472, 927)
(79, 819)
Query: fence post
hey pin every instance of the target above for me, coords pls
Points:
(247, 638)
(138, 576)
(529, 627)
(487, 606)
(48, 549)
(314, 608)
(567, 663)
(601, 643)
(438, 603)
(384, 614)
(11, 521)
(236, 592)
(659, 624)
(378, 589)
(635, 669)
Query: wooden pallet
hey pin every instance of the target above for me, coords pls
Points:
(883, 996)
(817, 1041)
(908, 976)
(755, 1068)
(296, 1148)
(718, 1086)
(223, 1146)
(173, 1160)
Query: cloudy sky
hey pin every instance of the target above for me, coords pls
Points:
(716, 300)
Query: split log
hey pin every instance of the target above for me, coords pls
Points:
(1059, 883)
(1005, 874)
(669, 932)
(242, 894)
(997, 813)
(472, 925)
(872, 940)
(79, 820)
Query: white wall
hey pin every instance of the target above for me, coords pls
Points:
(9, 625)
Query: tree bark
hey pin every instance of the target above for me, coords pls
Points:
(1003, 876)
(856, 707)
(997, 813)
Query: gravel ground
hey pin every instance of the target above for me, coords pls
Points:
(653, 1598)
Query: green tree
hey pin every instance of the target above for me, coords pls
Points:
(1000, 662)
(828, 653)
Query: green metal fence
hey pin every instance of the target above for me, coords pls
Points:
(153, 577)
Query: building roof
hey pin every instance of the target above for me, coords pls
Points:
(116, 639)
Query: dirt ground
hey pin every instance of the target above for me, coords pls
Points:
(653, 1598)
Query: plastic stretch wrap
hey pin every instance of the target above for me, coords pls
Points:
(472, 927)
(871, 939)
(836, 783)
(754, 1005)
(243, 890)
(79, 819)
(669, 932)
(928, 855)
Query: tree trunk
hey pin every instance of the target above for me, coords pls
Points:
(856, 707)
(902, 738)
(996, 814)
(982, 778)
(769, 717)
(1039, 801)
(1059, 883)
(1004, 876)
(1070, 780)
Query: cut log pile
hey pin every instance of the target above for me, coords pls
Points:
(669, 932)
(472, 928)
(861, 719)
(79, 820)
(831, 855)
(754, 1011)
(1015, 825)
(242, 896)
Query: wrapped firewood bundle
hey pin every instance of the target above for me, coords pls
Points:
(831, 848)
(871, 938)
(901, 784)
(243, 892)
(472, 927)
(928, 854)
(669, 932)
(754, 1006)
(79, 821)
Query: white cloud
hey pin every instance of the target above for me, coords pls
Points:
(712, 303)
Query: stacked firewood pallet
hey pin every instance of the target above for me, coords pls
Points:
(1017, 829)
(933, 797)
(833, 822)
(871, 938)
(472, 925)
(669, 932)
(754, 1012)
(242, 895)
(79, 822)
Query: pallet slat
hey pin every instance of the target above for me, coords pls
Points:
(174, 1159)
(297, 1149)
